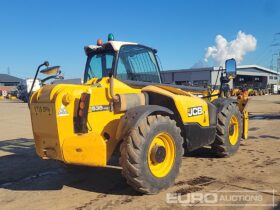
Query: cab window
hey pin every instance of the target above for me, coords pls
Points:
(99, 65)
(137, 63)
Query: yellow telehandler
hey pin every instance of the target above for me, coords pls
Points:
(123, 106)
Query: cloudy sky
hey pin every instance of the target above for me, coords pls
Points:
(186, 33)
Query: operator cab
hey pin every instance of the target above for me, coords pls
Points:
(134, 64)
(126, 61)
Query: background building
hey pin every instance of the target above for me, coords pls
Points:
(8, 82)
(251, 75)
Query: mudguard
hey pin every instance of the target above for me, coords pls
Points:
(133, 117)
(221, 102)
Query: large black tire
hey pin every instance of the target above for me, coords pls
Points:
(135, 151)
(222, 145)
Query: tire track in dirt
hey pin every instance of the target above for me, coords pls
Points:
(101, 202)
(119, 188)
(32, 177)
(193, 185)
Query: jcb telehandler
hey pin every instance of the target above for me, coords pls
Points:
(122, 106)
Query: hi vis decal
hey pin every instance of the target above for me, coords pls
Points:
(62, 111)
(195, 111)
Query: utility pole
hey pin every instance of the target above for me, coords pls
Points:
(278, 67)
(272, 62)
(8, 71)
(276, 43)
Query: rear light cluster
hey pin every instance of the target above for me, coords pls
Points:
(80, 121)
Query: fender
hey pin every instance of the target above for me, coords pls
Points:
(222, 102)
(133, 117)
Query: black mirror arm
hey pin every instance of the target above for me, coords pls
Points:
(49, 77)
(223, 80)
(46, 63)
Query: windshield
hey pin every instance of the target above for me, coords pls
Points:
(99, 65)
(137, 63)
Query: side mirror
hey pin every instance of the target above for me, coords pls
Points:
(51, 70)
(230, 68)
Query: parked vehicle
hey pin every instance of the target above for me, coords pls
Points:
(24, 88)
(123, 109)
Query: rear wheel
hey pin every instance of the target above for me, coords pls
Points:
(151, 154)
(229, 131)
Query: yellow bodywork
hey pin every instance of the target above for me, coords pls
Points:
(215, 93)
(183, 103)
(54, 107)
(13, 97)
(243, 99)
(245, 124)
(235, 92)
(54, 133)
(208, 95)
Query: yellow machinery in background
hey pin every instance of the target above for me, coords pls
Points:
(235, 92)
(123, 106)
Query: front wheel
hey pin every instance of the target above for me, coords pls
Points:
(229, 131)
(151, 154)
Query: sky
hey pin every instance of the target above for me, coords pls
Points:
(32, 31)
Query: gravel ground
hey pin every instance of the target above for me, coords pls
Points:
(27, 182)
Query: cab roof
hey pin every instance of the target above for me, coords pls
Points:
(116, 45)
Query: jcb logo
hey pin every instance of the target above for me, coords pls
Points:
(195, 111)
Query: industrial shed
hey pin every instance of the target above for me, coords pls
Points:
(251, 75)
(8, 82)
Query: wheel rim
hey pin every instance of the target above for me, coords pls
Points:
(161, 154)
(233, 130)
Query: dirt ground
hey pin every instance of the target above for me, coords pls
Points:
(27, 182)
